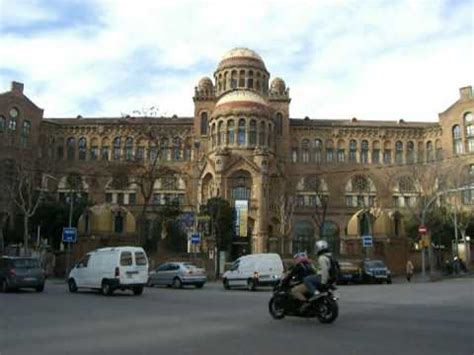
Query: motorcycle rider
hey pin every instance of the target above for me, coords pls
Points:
(299, 272)
(315, 281)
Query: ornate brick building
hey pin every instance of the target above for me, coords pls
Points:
(242, 145)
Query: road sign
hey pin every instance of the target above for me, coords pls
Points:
(422, 229)
(195, 239)
(69, 235)
(367, 241)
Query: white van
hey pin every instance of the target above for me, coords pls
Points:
(109, 269)
(254, 270)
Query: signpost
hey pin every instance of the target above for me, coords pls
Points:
(195, 238)
(422, 229)
(367, 241)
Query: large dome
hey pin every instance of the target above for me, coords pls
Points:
(241, 56)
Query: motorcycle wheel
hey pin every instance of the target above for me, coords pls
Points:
(276, 309)
(328, 310)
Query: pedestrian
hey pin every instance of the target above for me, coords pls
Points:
(409, 270)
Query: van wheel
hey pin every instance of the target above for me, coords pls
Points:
(199, 285)
(106, 289)
(177, 283)
(137, 291)
(72, 285)
(39, 288)
(251, 285)
(226, 284)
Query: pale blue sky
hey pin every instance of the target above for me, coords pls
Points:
(368, 59)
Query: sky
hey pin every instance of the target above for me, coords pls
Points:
(374, 60)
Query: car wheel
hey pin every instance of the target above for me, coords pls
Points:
(39, 288)
(137, 291)
(389, 280)
(5, 287)
(251, 285)
(199, 285)
(177, 283)
(226, 284)
(72, 285)
(106, 289)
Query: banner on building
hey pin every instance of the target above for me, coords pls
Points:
(241, 209)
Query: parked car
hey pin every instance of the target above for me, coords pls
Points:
(375, 271)
(177, 274)
(349, 271)
(21, 272)
(110, 269)
(254, 270)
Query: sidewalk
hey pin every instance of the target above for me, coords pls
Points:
(437, 276)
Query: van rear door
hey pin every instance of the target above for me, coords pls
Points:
(133, 267)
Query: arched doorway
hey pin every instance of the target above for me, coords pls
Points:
(239, 193)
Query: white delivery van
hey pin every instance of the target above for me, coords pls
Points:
(254, 270)
(110, 269)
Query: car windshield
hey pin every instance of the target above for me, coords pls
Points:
(374, 263)
(190, 266)
(25, 263)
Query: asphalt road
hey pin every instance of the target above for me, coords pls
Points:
(419, 318)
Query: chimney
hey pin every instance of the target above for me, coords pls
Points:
(17, 87)
(466, 92)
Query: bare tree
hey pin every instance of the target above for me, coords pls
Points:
(284, 204)
(6, 204)
(315, 185)
(26, 192)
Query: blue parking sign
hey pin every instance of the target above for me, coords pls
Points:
(195, 239)
(367, 241)
(69, 235)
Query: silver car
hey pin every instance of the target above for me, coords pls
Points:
(177, 274)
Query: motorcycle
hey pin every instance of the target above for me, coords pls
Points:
(324, 306)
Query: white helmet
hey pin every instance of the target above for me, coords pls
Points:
(321, 245)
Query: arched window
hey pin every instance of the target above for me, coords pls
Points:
(410, 152)
(177, 149)
(140, 150)
(105, 149)
(241, 132)
(220, 138)
(230, 132)
(353, 151)
(219, 83)
(253, 132)
(457, 141)
(117, 146)
(213, 135)
(329, 151)
(129, 148)
(257, 83)
(318, 151)
(341, 152)
(165, 149)
(261, 134)
(82, 148)
(270, 135)
(204, 123)
(71, 148)
(387, 153)
(399, 152)
(250, 80)
(224, 82)
(118, 222)
(376, 152)
(421, 152)
(429, 151)
(279, 123)
(439, 150)
(364, 152)
(242, 79)
(153, 152)
(305, 151)
(233, 79)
